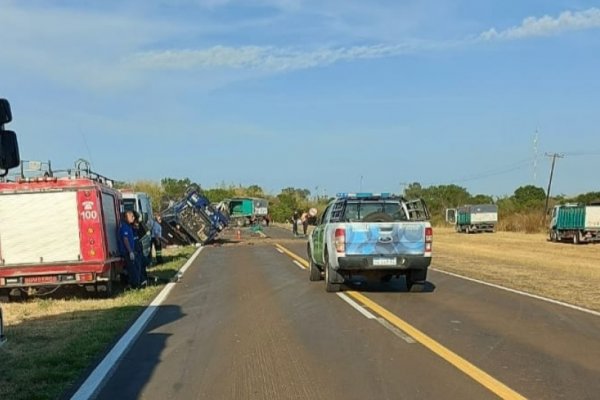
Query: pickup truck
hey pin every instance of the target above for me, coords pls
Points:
(373, 235)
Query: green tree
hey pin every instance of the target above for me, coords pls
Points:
(174, 188)
(283, 206)
(216, 195)
(587, 198)
(413, 191)
(153, 189)
(254, 191)
(529, 196)
(300, 194)
(481, 199)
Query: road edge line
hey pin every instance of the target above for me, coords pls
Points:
(520, 292)
(98, 377)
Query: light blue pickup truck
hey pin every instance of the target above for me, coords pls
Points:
(373, 235)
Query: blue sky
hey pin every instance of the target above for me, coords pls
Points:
(309, 93)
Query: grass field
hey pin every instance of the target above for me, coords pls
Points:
(52, 341)
(527, 262)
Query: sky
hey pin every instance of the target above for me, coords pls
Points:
(329, 95)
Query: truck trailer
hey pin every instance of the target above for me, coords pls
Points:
(575, 222)
(473, 218)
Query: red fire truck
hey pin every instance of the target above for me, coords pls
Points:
(59, 230)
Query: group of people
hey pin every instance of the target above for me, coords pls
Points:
(300, 219)
(131, 232)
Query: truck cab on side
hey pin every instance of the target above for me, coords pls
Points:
(376, 235)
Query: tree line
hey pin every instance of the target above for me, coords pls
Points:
(521, 211)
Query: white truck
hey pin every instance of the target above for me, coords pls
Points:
(576, 222)
(371, 234)
(473, 218)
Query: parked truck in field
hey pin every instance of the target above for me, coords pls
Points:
(368, 234)
(58, 228)
(575, 222)
(244, 211)
(192, 219)
(473, 218)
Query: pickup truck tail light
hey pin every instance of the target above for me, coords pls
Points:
(428, 239)
(340, 240)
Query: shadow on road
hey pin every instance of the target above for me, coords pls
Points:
(362, 284)
(137, 366)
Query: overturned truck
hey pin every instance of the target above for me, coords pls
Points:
(192, 219)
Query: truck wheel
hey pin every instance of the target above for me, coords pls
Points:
(468, 230)
(576, 239)
(330, 286)
(415, 280)
(315, 272)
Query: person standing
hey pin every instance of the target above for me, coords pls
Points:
(127, 249)
(295, 218)
(304, 220)
(157, 238)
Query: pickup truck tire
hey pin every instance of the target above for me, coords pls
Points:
(415, 280)
(329, 285)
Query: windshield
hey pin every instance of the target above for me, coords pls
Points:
(363, 211)
(128, 204)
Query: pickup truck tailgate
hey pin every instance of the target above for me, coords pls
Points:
(372, 238)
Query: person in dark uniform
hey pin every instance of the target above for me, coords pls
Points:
(139, 231)
(157, 238)
(127, 249)
(295, 218)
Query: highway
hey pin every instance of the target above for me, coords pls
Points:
(246, 323)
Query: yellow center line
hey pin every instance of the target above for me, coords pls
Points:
(293, 255)
(483, 378)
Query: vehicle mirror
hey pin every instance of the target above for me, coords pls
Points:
(9, 150)
(5, 113)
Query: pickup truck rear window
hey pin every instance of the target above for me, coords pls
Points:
(374, 211)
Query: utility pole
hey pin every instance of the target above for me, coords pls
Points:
(554, 157)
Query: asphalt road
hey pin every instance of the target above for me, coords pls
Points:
(246, 323)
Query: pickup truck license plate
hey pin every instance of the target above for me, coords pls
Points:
(384, 261)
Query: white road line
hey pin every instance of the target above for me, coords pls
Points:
(107, 366)
(396, 331)
(535, 296)
(279, 250)
(356, 306)
(298, 264)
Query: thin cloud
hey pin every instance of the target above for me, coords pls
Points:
(546, 25)
(270, 59)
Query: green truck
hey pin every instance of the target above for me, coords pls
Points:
(473, 218)
(575, 222)
(245, 211)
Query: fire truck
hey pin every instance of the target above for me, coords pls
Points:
(58, 228)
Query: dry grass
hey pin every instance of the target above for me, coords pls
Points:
(51, 341)
(531, 222)
(530, 263)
